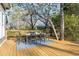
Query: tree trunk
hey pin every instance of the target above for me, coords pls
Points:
(61, 22)
(32, 27)
(53, 27)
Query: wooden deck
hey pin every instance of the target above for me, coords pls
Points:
(57, 48)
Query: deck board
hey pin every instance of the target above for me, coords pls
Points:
(57, 48)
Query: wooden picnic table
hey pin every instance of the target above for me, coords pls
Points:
(29, 36)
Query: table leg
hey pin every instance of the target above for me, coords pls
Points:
(26, 39)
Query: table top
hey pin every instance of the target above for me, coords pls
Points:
(34, 35)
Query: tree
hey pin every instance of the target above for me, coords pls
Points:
(71, 11)
(71, 8)
(72, 27)
(42, 12)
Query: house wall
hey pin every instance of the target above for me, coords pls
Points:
(2, 24)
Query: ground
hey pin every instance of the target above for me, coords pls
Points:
(56, 48)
